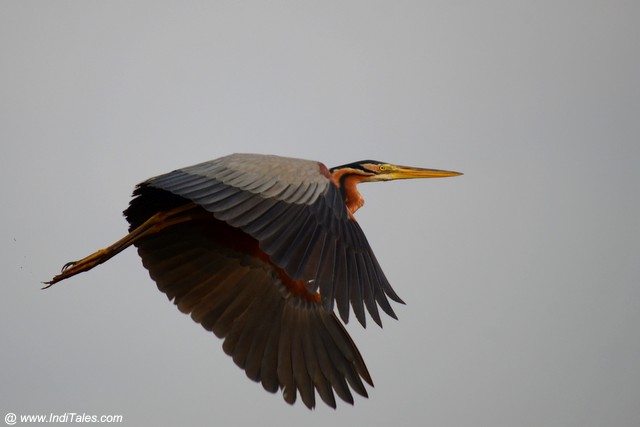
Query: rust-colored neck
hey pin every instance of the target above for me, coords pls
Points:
(347, 180)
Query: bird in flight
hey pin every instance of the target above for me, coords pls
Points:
(259, 249)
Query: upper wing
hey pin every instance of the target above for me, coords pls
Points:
(277, 338)
(297, 214)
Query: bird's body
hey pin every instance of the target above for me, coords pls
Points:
(258, 249)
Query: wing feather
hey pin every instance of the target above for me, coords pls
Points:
(300, 369)
(355, 288)
(341, 282)
(285, 364)
(263, 317)
(326, 374)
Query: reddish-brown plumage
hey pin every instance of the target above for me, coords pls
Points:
(347, 180)
(324, 171)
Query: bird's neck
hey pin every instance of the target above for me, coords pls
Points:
(348, 182)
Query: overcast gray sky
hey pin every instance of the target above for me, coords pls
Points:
(521, 277)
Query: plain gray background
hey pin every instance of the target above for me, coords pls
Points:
(521, 277)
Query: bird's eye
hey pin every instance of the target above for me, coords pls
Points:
(383, 168)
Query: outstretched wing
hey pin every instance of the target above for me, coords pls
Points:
(298, 216)
(216, 274)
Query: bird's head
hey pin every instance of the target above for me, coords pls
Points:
(348, 176)
(373, 170)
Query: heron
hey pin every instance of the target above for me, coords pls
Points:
(261, 250)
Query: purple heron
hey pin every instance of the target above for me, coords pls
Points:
(258, 249)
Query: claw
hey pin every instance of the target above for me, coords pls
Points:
(50, 283)
(63, 275)
(68, 265)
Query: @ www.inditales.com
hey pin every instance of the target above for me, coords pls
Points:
(66, 417)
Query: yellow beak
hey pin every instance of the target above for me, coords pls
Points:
(390, 172)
